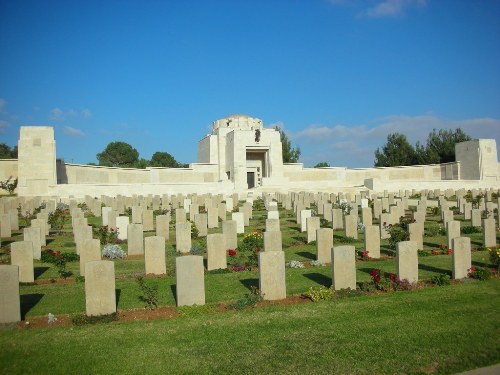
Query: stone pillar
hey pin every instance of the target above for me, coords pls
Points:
(122, 227)
(100, 295)
(351, 226)
(452, 231)
(312, 225)
(272, 241)
(343, 267)
(91, 251)
(461, 257)
(216, 252)
(272, 225)
(135, 239)
(372, 241)
(272, 282)
(407, 261)
(238, 217)
(183, 237)
(304, 214)
(163, 226)
(32, 235)
(489, 234)
(230, 235)
(10, 302)
(190, 282)
(324, 245)
(21, 255)
(154, 255)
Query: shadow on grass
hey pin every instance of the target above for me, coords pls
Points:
(173, 288)
(306, 255)
(49, 240)
(430, 244)
(298, 229)
(300, 239)
(28, 301)
(249, 283)
(118, 293)
(319, 278)
(480, 264)
(425, 267)
(39, 271)
(366, 270)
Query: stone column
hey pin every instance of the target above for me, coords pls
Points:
(312, 225)
(343, 267)
(21, 254)
(272, 241)
(230, 235)
(32, 235)
(91, 251)
(135, 239)
(372, 241)
(461, 257)
(163, 226)
(100, 294)
(272, 282)
(183, 237)
(407, 261)
(324, 245)
(216, 252)
(489, 234)
(122, 227)
(154, 255)
(452, 231)
(10, 302)
(190, 282)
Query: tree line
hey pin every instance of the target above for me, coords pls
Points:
(440, 148)
(123, 155)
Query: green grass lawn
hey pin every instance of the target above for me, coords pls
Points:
(432, 330)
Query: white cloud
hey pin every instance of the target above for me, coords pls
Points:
(391, 8)
(3, 104)
(3, 126)
(72, 112)
(73, 132)
(354, 146)
(56, 114)
(86, 113)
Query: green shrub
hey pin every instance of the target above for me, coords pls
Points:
(248, 300)
(479, 273)
(494, 256)
(440, 280)
(82, 319)
(470, 230)
(319, 294)
(149, 293)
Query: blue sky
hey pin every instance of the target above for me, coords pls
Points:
(338, 75)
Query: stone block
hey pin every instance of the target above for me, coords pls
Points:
(343, 267)
(324, 245)
(100, 294)
(154, 255)
(407, 261)
(180, 215)
(273, 215)
(183, 237)
(21, 255)
(272, 241)
(312, 225)
(238, 217)
(147, 220)
(216, 252)
(163, 226)
(230, 234)
(122, 226)
(272, 283)
(190, 282)
(272, 225)
(372, 241)
(351, 225)
(452, 231)
(304, 214)
(135, 239)
(201, 223)
(10, 301)
(137, 215)
(90, 251)
(489, 233)
(5, 226)
(212, 218)
(461, 257)
(337, 219)
(32, 235)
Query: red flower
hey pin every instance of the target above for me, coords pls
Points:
(231, 252)
(434, 252)
(364, 254)
(449, 251)
(441, 246)
(472, 269)
(374, 272)
(393, 277)
(376, 279)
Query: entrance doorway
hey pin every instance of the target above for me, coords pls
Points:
(251, 179)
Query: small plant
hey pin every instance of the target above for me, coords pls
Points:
(316, 263)
(398, 232)
(440, 280)
(9, 185)
(105, 234)
(348, 292)
(197, 250)
(423, 253)
(60, 260)
(470, 230)
(363, 255)
(494, 256)
(113, 251)
(479, 273)
(295, 264)
(149, 293)
(319, 294)
(57, 219)
(248, 300)
(194, 230)
(344, 239)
